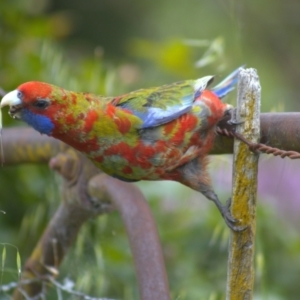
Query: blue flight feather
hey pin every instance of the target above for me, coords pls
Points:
(227, 85)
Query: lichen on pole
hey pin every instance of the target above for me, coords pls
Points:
(240, 273)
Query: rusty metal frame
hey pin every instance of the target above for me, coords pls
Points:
(87, 193)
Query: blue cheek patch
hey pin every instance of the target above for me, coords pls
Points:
(40, 123)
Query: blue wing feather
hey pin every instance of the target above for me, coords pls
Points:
(156, 116)
(157, 106)
(227, 85)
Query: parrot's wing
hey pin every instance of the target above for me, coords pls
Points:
(157, 106)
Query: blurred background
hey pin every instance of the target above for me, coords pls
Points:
(115, 46)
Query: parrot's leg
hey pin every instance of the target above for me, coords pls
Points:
(196, 177)
(224, 210)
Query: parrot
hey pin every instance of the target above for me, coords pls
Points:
(159, 133)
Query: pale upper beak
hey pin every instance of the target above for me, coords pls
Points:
(11, 99)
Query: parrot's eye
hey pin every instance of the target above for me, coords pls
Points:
(41, 103)
(20, 95)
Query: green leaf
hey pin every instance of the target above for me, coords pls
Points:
(19, 262)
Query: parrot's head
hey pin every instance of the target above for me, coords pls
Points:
(36, 103)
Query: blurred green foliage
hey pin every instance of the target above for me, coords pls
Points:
(111, 47)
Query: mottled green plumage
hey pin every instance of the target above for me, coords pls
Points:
(160, 97)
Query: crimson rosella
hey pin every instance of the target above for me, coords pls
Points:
(161, 133)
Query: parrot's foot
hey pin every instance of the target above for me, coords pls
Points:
(234, 122)
(233, 119)
(225, 211)
(228, 218)
(227, 126)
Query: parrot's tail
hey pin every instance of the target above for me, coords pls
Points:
(227, 85)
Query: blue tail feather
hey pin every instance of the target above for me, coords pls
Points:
(227, 85)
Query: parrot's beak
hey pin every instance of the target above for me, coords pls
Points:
(14, 101)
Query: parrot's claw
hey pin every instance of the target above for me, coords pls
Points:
(233, 120)
(225, 211)
(229, 219)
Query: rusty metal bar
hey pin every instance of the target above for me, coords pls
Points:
(280, 130)
(24, 145)
(76, 208)
(142, 233)
(86, 191)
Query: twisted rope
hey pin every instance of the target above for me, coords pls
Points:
(258, 147)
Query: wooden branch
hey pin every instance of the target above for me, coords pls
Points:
(241, 249)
